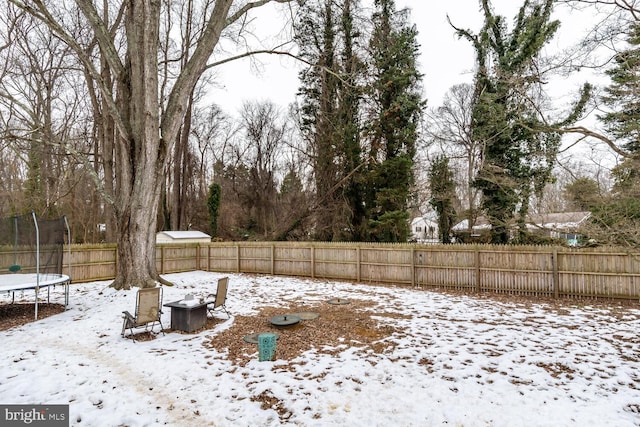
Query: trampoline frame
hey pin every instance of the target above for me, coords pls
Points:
(24, 281)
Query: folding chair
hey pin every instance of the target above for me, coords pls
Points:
(219, 298)
(148, 311)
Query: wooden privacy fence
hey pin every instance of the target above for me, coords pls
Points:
(519, 270)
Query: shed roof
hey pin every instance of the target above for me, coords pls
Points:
(188, 234)
(559, 220)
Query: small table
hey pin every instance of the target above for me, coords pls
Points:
(187, 317)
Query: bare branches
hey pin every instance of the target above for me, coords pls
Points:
(102, 34)
(247, 7)
(42, 13)
(593, 134)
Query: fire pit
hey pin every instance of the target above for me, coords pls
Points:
(285, 320)
(338, 301)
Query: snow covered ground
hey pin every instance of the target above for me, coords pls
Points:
(462, 361)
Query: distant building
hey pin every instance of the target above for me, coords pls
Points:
(424, 230)
(189, 236)
(557, 225)
(481, 224)
(476, 232)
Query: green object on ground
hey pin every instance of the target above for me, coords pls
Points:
(267, 346)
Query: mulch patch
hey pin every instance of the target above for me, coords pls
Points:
(21, 313)
(142, 335)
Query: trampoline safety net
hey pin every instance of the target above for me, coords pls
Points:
(28, 243)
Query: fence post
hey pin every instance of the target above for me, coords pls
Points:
(477, 262)
(358, 255)
(313, 262)
(238, 258)
(556, 274)
(273, 259)
(413, 267)
(208, 257)
(162, 259)
(198, 257)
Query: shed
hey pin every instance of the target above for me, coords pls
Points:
(189, 236)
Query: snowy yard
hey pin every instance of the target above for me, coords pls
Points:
(451, 360)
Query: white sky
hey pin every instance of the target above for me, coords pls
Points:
(452, 360)
(445, 59)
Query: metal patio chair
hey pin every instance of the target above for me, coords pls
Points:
(219, 299)
(147, 313)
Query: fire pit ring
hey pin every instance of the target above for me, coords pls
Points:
(285, 320)
(253, 338)
(339, 301)
(307, 315)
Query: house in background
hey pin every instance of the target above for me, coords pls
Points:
(477, 232)
(189, 236)
(424, 230)
(557, 225)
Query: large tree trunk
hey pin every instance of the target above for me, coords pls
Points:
(136, 250)
(142, 137)
(142, 155)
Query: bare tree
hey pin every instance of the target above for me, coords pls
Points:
(449, 131)
(39, 108)
(129, 42)
(212, 131)
(264, 132)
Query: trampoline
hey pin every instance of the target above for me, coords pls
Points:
(31, 255)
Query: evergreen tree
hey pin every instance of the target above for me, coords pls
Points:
(583, 194)
(623, 122)
(623, 94)
(330, 98)
(443, 188)
(213, 205)
(519, 150)
(616, 219)
(292, 207)
(397, 108)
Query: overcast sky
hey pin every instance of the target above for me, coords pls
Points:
(445, 59)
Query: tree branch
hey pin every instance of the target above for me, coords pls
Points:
(43, 14)
(102, 34)
(588, 132)
(247, 7)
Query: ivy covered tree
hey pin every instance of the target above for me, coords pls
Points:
(520, 147)
(443, 193)
(392, 134)
(349, 125)
(213, 205)
(330, 96)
